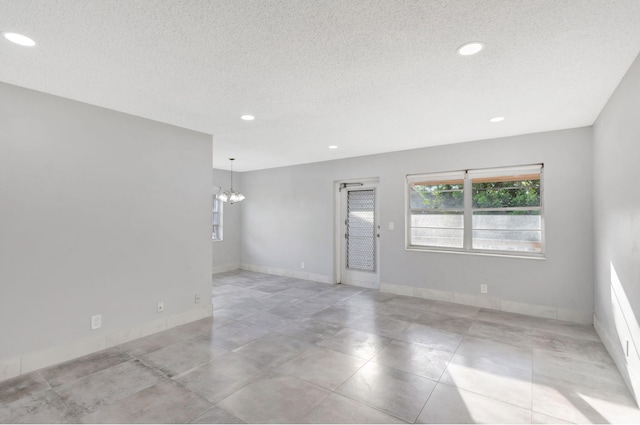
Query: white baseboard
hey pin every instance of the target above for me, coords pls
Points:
(628, 366)
(288, 273)
(221, 268)
(29, 362)
(493, 303)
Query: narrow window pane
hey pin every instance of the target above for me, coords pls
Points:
(445, 238)
(507, 220)
(437, 196)
(438, 219)
(504, 194)
(216, 233)
(508, 240)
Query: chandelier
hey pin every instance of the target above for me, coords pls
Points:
(230, 195)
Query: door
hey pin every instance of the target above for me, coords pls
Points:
(360, 244)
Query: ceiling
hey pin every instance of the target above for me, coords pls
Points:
(368, 76)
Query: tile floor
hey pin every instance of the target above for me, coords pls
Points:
(290, 351)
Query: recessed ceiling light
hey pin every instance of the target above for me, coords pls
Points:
(247, 117)
(496, 119)
(20, 39)
(470, 48)
(333, 147)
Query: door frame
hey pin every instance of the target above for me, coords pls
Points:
(338, 235)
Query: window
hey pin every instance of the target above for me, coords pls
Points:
(493, 210)
(217, 219)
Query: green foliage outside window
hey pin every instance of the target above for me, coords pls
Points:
(502, 194)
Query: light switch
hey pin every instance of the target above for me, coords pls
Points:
(391, 226)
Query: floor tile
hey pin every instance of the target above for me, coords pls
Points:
(41, 407)
(323, 367)
(276, 300)
(141, 346)
(569, 347)
(360, 303)
(217, 415)
(77, 368)
(238, 312)
(453, 405)
(500, 332)
(355, 343)
(296, 310)
(577, 371)
(506, 354)
(311, 331)
(349, 290)
(91, 392)
(441, 340)
(299, 293)
(414, 358)
(268, 321)
(539, 418)
(221, 377)
(271, 287)
(339, 315)
(582, 404)
(331, 297)
(235, 365)
(164, 402)
(574, 330)
(235, 335)
(205, 326)
(419, 305)
(178, 358)
(380, 325)
(274, 398)
(400, 313)
(393, 391)
(337, 409)
(444, 322)
(21, 386)
(505, 318)
(223, 302)
(490, 378)
(452, 309)
(273, 349)
(376, 351)
(376, 295)
(222, 290)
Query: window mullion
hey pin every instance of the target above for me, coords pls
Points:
(468, 216)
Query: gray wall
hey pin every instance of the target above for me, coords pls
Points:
(226, 253)
(617, 224)
(288, 218)
(100, 213)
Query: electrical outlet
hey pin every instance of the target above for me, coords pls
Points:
(302, 265)
(483, 288)
(196, 300)
(160, 307)
(96, 322)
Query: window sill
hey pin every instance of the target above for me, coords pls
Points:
(502, 254)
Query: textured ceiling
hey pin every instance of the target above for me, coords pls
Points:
(369, 76)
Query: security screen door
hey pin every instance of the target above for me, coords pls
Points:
(361, 231)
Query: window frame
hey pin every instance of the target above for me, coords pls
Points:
(468, 213)
(220, 213)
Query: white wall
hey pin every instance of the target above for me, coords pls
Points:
(226, 253)
(100, 213)
(617, 225)
(288, 218)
